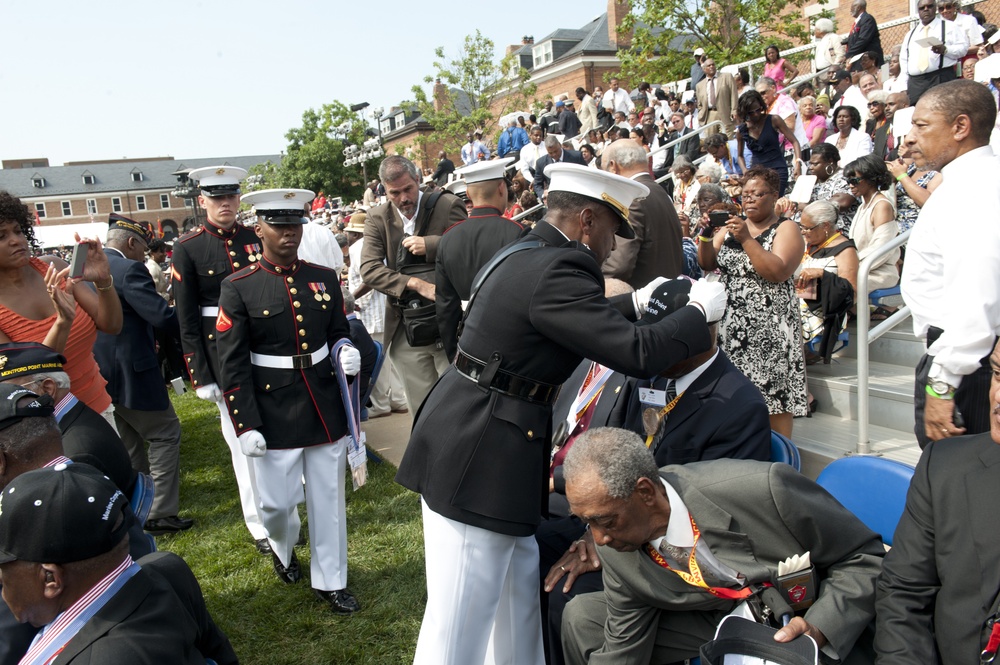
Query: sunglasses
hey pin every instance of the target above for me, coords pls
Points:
(875, 104)
(948, 6)
(853, 180)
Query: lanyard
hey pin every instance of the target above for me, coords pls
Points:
(808, 254)
(659, 417)
(695, 578)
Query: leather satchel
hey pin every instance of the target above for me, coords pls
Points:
(418, 313)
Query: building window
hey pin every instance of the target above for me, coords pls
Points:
(140, 202)
(116, 204)
(542, 54)
(164, 200)
(67, 209)
(40, 210)
(136, 176)
(91, 206)
(189, 203)
(38, 182)
(89, 179)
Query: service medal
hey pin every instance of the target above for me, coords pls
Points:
(651, 420)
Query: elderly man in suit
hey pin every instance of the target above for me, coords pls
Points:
(128, 363)
(864, 34)
(555, 154)
(717, 97)
(406, 230)
(682, 546)
(937, 595)
(656, 249)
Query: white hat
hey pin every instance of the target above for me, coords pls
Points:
(280, 206)
(218, 180)
(988, 68)
(699, 51)
(457, 187)
(492, 169)
(616, 192)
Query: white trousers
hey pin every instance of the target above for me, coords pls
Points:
(482, 590)
(279, 481)
(246, 482)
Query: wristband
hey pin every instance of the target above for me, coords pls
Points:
(705, 238)
(900, 177)
(930, 391)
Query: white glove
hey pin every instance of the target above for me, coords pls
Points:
(209, 392)
(350, 360)
(640, 298)
(252, 443)
(711, 297)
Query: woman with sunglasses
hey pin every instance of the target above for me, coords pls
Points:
(878, 125)
(849, 141)
(761, 329)
(760, 132)
(875, 222)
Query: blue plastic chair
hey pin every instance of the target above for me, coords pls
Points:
(783, 450)
(371, 386)
(891, 296)
(873, 488)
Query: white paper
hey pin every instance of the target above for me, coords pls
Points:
(928, 41)
(803, 189)
(794, 564)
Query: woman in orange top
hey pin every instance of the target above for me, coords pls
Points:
(39, 304)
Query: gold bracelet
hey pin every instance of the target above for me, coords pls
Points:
(108, 287)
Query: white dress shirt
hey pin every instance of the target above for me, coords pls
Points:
(955, 41)
(372, 304)
(529, 155)
(951, 277)
(621, 99)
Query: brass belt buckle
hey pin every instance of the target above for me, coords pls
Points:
(303, 361)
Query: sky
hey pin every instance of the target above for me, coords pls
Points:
(111, 79)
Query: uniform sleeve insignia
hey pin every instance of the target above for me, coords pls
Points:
(223, 323)
(173, 273)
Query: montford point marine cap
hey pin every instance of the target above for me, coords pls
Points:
(61, 514)
(218, 180)
(280, 206)
(482, 171)
(141, 229)
(457, 187)
(11, 413)
(666, 299)
(26, 358)
(615, 191)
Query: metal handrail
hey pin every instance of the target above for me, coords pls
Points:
(671, 144)
(521, 215)
(866, 336)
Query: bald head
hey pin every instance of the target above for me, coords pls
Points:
(630, 158)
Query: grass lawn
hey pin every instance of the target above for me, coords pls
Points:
(270, 622)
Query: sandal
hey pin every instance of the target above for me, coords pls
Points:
(881, 313)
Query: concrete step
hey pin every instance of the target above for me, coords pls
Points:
(835, 386)
(899, 346)
(824, 438)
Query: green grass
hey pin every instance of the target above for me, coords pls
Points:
(270, 622)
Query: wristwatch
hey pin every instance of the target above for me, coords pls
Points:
(940, 389)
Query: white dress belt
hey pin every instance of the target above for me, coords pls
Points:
(303, 361)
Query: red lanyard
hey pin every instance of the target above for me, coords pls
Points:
(695, 578)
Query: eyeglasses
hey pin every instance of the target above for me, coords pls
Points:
(853, 180)
(875, 104)
(947, 6)
(806, 229)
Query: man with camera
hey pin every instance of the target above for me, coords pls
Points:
(401, 242)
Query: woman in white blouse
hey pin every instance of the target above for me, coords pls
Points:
(851, 142)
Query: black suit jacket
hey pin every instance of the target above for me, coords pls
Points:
(466, 247)
(941, 579)
(444, 167)
(128, 360)
(864, 37)
(690, 148)
(541, 182)
(89, 439)
(481, 457)
(656, 250)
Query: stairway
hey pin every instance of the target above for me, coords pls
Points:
(832, 432)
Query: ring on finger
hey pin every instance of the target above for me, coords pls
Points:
(562, 568)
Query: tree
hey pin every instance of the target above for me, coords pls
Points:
(315, 155)
(480, 91)
(730, 31)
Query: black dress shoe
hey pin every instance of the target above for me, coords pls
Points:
(290, 574)
(263, 546)
(341, 602)
(172, 524)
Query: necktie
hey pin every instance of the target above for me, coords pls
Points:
(671, 390)
(679, 556)
(924, 57)
(711, 92)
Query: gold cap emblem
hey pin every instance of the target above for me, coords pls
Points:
(220, 171)
(289, 195)
(3, 361)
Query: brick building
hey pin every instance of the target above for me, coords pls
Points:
(141, 189)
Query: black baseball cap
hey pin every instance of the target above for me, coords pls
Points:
(666, 299)
(61, 514)
(25, 358)
(122, 223)
(11, 413)
(839, 75)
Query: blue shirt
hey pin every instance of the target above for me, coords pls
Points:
(512, 140)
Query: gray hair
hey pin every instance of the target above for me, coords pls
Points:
(711, 171)
(807, 98)
(822, 212)
(626, 153)
(681, 162)
(880, 96)
(551, 141)
(348, 300)
(617, 456)
(395, 167)
(715, 190)
(765, 82)
(824, 25)
(30, 440)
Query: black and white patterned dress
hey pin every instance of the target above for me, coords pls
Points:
(761, 331)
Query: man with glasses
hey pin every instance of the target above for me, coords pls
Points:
(930, 51)
(143, 412)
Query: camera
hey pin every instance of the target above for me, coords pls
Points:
(718, 218)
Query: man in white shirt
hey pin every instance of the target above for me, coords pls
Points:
(531, 152)
(951, 278)
(927, 65)
(619, 97)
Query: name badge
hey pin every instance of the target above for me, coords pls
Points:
(654, 397)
